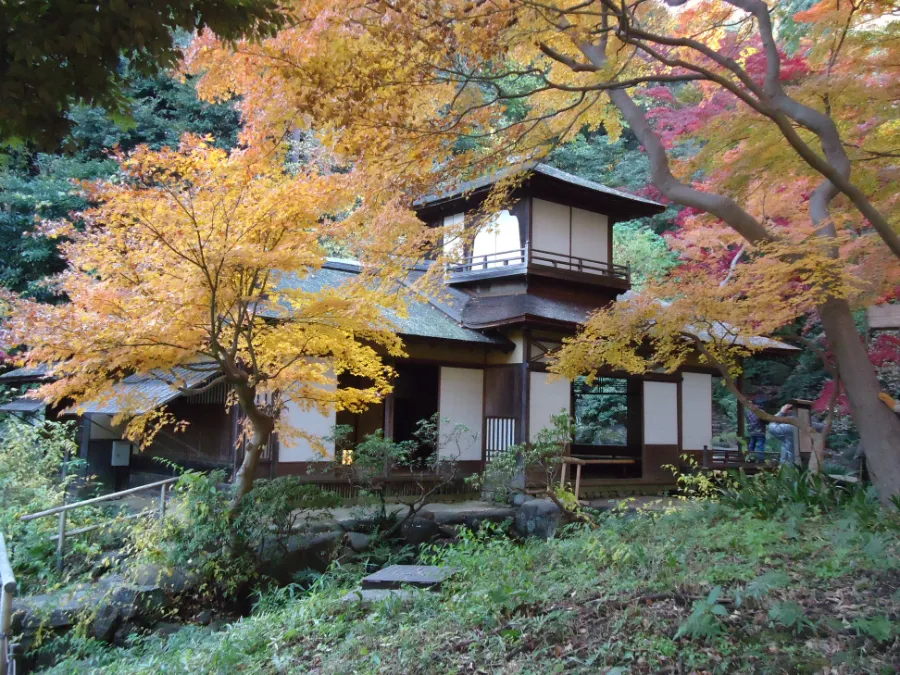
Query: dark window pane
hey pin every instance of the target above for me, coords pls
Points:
(601, 411)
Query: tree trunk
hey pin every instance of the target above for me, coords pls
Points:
(246, 474)
(879, 428)
(263, 425)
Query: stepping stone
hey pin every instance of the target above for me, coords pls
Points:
(398, 576)
(368, 597)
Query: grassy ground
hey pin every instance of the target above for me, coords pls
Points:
(703, 589)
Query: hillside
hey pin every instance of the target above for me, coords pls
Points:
(701, 589)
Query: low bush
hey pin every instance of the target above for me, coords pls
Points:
(199, 535)
(33, 457)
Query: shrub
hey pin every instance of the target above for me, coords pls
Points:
(32, 459)
(539, 461)
(767, 493)
(198, 534)
(370, 463)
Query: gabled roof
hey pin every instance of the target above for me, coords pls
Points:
(31, 374)
(640, 206)
(426, 317)
(143, 393)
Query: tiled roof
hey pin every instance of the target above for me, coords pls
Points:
(23, 404)
(142, 393)
(20, 374)
(425, 318)
(540, 169)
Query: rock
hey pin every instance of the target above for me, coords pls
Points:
(520, 498)
(107, 562)
(358, 541)
(368, 597)
(538, 518)
(126, 630)
(143, 603)
(166, 629)
(217, 625)
(106, 622)
(400, 576)
(473, 518)
(174, 581)
(204, 618)
(420, 530)
(281, 561)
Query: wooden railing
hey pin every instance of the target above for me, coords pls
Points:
(7, 593)
(574, 263)
(479, 263)
(735, 458)
(62, 512)
(523, 257)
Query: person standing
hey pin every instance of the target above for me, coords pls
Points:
(784, 433)
(757, 432)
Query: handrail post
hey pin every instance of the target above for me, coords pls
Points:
(61, 542)
(705, 456)
(162, 502)
(7, 593)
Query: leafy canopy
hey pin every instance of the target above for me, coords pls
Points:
(58, 53)
(195, 259)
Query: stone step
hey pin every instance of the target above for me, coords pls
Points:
(368, 597)
(398, 576)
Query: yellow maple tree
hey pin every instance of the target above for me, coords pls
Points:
(193, 261)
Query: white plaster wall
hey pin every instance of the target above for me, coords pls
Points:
(102, 427)
(311, 422)
(546, 398)
(500, 236)
(696, 411)
(453, 231)
(550, 226)
(514, 356)
(590, 235)
(660, 413)
(462, 402)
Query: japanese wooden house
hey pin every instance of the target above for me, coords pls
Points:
(478, 355)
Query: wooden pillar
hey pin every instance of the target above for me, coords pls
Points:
(389, 415)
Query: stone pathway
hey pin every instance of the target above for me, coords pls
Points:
(399, 582)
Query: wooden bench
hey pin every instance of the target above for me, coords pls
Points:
(580, 462)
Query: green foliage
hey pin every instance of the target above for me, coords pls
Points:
(766, 493)
(59, 53)
(880, 628)
(436, 446)
(644, 251)
(198, 535)
(37, 186)
(31, 468)
(704, 623)
(539, 460)
(611, 598)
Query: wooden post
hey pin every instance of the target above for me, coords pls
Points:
(563, 474)
(61, 541)
(162, 502)
(705, 456)
(7, 593)
(577, 480)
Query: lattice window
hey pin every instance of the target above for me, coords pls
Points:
(499, 435)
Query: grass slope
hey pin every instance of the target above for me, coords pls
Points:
(704, 589)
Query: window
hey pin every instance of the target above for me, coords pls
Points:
(601, 411)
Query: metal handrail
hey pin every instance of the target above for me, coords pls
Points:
(8, 589)
(63, 510)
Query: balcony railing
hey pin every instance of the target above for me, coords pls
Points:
(527, 257)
